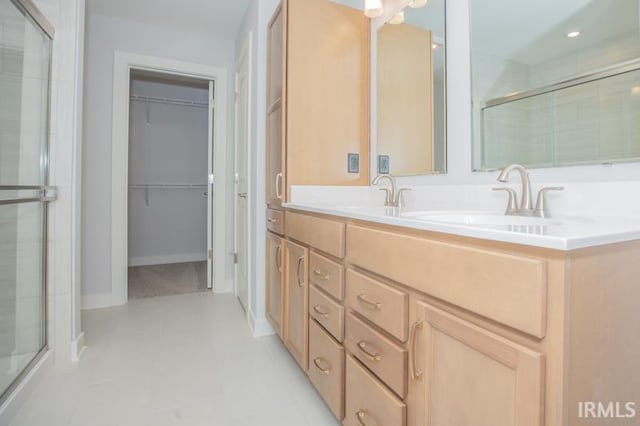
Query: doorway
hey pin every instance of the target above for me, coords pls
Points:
(243, 174)
(168, 191)
(124, 64)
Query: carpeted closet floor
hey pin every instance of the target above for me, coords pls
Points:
(166, 280)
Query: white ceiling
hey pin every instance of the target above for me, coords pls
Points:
(531, 32)
(217, 17)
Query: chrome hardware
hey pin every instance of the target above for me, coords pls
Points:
(279, 258)
(46, 194)
(362, 298)
(525, 208)
(242, 195)
(360, 417)
(415, 374)
(271, 220)
(318, 309)
(300, 277)
(400, 197)
(371, 355)
(394, 197)
(324, 371)
(512, 208)
(278, 184)
(541, 205)
(318, 273)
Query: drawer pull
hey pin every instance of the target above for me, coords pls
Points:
(373, 356)
(300, 278)
(324, 371)
(360, 417)
(362, 298)
(279, 258)
(321, 310)
(271, 220)
(318, 273)
(417, 375)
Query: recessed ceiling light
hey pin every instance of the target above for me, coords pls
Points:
(573, 34)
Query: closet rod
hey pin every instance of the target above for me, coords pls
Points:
(182, 102)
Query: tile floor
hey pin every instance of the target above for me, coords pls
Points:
(177, 360)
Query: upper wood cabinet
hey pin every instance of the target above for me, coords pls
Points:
(318, 96)
(461, 375)
(296, 302)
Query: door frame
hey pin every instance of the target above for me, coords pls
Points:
(124, 62)
(244, 63)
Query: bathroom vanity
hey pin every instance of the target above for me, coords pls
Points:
(397, 325)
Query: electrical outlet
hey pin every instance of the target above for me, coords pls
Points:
(353, 163)
(383, 164)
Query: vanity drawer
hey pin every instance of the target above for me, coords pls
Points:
(275, 221)
(369, 402)
(326, 368)
(328, 313)
(384, 358)
(506, 287)
(327, 275)
(323, 234)
(379, 303)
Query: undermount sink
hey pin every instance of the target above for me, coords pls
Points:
(481, 219)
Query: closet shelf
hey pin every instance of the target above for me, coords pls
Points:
(169, 186)
(169, 101)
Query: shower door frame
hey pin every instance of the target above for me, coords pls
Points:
(47, 194)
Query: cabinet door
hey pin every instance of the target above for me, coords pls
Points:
(462, 375)
(296, 317)
(276, 107)
(275, 262)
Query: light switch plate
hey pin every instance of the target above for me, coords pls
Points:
(353, 163)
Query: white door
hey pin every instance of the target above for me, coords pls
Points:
(242, 177)
(210, 191)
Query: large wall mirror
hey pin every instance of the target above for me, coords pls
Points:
(411, 91)
(555, 82)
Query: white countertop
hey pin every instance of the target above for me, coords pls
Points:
(563, 232)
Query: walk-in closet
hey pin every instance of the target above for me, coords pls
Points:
(168, 151)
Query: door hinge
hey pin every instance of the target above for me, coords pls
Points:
(235, 258)
(210, 254)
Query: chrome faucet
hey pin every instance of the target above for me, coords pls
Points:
(525, 208)
(394, 197)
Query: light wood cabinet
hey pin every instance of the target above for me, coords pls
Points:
(276, 104)
(317, 97)
(462, 375)
(296, 296)
(275, 282)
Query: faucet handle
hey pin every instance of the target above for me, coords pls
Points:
(541, 209)
(399, 201)
(388, 197)
(512, 208)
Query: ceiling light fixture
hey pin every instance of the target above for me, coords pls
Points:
(398, 18)
(373, 8)
(574, 34)
(416, 4)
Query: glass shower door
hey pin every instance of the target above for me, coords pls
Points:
(25, 54)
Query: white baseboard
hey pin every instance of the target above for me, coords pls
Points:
(162, 260)
(96, 301)
(16, 399)
(78, 347)
(260, 326)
